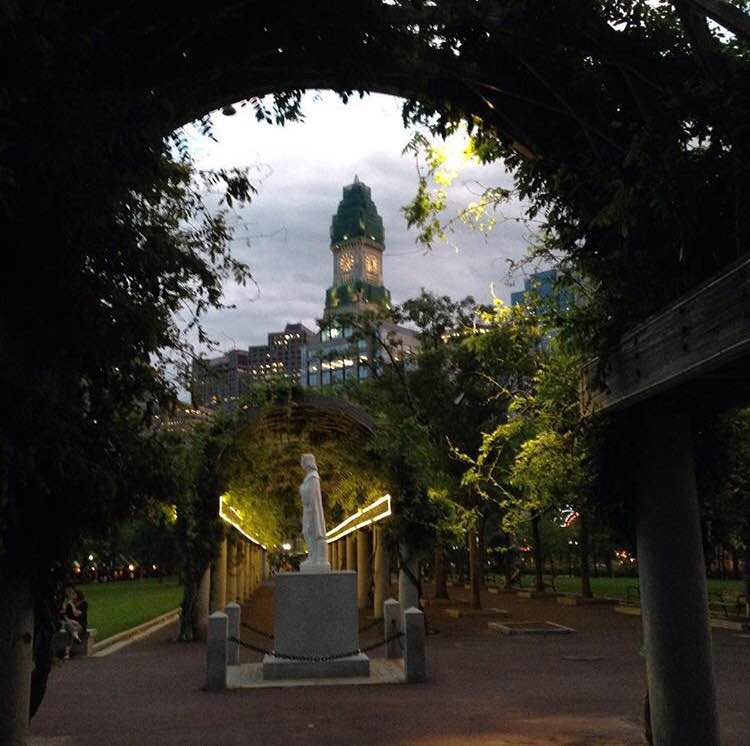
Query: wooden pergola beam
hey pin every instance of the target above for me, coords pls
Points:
(702, 338)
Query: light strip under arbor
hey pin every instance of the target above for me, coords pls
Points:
(234, 518)
(372, 513)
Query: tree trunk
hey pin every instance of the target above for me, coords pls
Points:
(746, 571)
(16, 654)
(735, 563)
(608, 564)
(441, 576)
(583, 545)
(482, 552)
(538, 553)
(475, 570)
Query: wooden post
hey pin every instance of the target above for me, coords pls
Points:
(364, 567)
(232, 570)
(672, 573)
(221, 575)
(334, 558)
(382, 572)
(351, 557)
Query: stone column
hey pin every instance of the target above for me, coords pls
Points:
(672, 574)
(351, 557)
(221, 575)
(382, 572)
(408, 591)
(364, 569)
(232, 570)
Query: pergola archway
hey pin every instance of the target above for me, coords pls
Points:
(112, 82)
(337, 432)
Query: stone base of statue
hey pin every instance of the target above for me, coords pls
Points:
(315, 616)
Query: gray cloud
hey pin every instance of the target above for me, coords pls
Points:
(287, 223)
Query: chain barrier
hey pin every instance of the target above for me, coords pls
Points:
(317, 658)
(257, 631)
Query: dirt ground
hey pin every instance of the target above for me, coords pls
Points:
(484, 689)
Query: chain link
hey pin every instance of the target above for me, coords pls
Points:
(257, 631)
(317, 658)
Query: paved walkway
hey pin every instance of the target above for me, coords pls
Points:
(484, 689)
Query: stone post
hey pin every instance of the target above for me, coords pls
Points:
(392, 624)
(382, 572)
(364, 565)
(221, 575)
(233, 612)
(415, 663)
(232, 570)
(216, 652)
(673, 593)
(408, 591)
(351, 557)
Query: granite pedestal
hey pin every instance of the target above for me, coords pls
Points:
(315, 615)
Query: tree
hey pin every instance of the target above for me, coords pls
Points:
(80, 444)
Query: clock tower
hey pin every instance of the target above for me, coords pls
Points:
(357, 244)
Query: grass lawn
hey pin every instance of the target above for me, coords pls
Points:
(617, 587)
(614, 587)
(114, 607)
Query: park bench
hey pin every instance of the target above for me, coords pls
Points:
(727, 603)
(83, 648)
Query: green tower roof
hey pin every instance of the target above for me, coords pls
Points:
(357, 216)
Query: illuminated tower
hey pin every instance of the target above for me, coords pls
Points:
(357, 243)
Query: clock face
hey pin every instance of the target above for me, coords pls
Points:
(346, 262)
(371, 264)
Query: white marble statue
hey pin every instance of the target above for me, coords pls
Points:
(313, 521)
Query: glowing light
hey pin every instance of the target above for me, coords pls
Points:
(224, 514)
(286, 546)
(131, 567)
(379, 509)
(91, 557)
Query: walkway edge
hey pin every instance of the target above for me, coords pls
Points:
(121, 639)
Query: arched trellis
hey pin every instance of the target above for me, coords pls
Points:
(318, 419)
(102, 69)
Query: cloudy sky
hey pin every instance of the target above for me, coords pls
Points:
(302, 168)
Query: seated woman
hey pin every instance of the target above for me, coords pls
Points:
(70, 623)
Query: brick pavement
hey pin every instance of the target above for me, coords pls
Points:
(484, 689)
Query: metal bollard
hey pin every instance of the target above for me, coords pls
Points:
(415, 664)
(392, 623)
(216, 652)
(233, 611)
